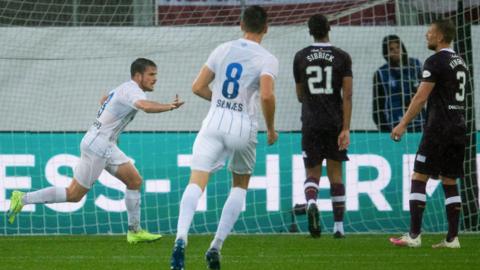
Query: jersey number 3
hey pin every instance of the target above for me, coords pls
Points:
(233, 73)
(461, 77)
(315, 76)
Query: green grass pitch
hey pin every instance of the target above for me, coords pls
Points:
(240, 252)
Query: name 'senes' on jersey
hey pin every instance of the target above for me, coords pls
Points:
(224, 104)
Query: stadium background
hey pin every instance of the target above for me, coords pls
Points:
(57, 59)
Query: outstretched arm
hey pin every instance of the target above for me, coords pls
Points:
(149, 106)
(200, 86)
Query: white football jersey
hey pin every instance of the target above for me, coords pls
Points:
(114, 115)
(237, 65)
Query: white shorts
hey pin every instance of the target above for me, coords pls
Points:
(91, 164)
(212, 148)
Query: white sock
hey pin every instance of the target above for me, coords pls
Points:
(132, 202)
(188, 205)
(231, 211)
(46, 195)
(338, 227)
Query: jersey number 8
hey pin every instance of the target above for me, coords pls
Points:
(233, 73)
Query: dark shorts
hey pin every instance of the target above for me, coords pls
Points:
(318, 145)
(436, 156)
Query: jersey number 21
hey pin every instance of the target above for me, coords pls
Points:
(315, 76)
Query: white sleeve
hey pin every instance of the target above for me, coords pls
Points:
(270, 66)
(212, 60)
(133, 95)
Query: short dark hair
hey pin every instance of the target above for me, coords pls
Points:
(254, 19)
(140, 64)
(447, 28)
(319, 26)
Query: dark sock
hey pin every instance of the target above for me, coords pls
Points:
(337, 193)
(417, 206)
(452, 206)
(311, 188)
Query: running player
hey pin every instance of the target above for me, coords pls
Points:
(99, 150)
(240, 71)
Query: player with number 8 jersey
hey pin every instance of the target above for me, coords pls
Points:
(237, 66)
(239, 72)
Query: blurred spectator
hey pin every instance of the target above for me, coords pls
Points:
(394, 85)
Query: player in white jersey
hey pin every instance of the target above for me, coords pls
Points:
(240, 71)
(99, 150)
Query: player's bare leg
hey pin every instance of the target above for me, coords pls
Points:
(73, 193)
(188, 205)
(418, 200)
(231, 211)
(337, 194)
(128, 174)
(311, 192)
(453, 204)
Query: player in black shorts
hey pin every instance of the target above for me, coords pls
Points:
(445, 79)
(321, 73)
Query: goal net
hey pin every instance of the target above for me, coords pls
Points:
(58, 58)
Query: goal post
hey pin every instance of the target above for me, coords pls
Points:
(469, 184)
